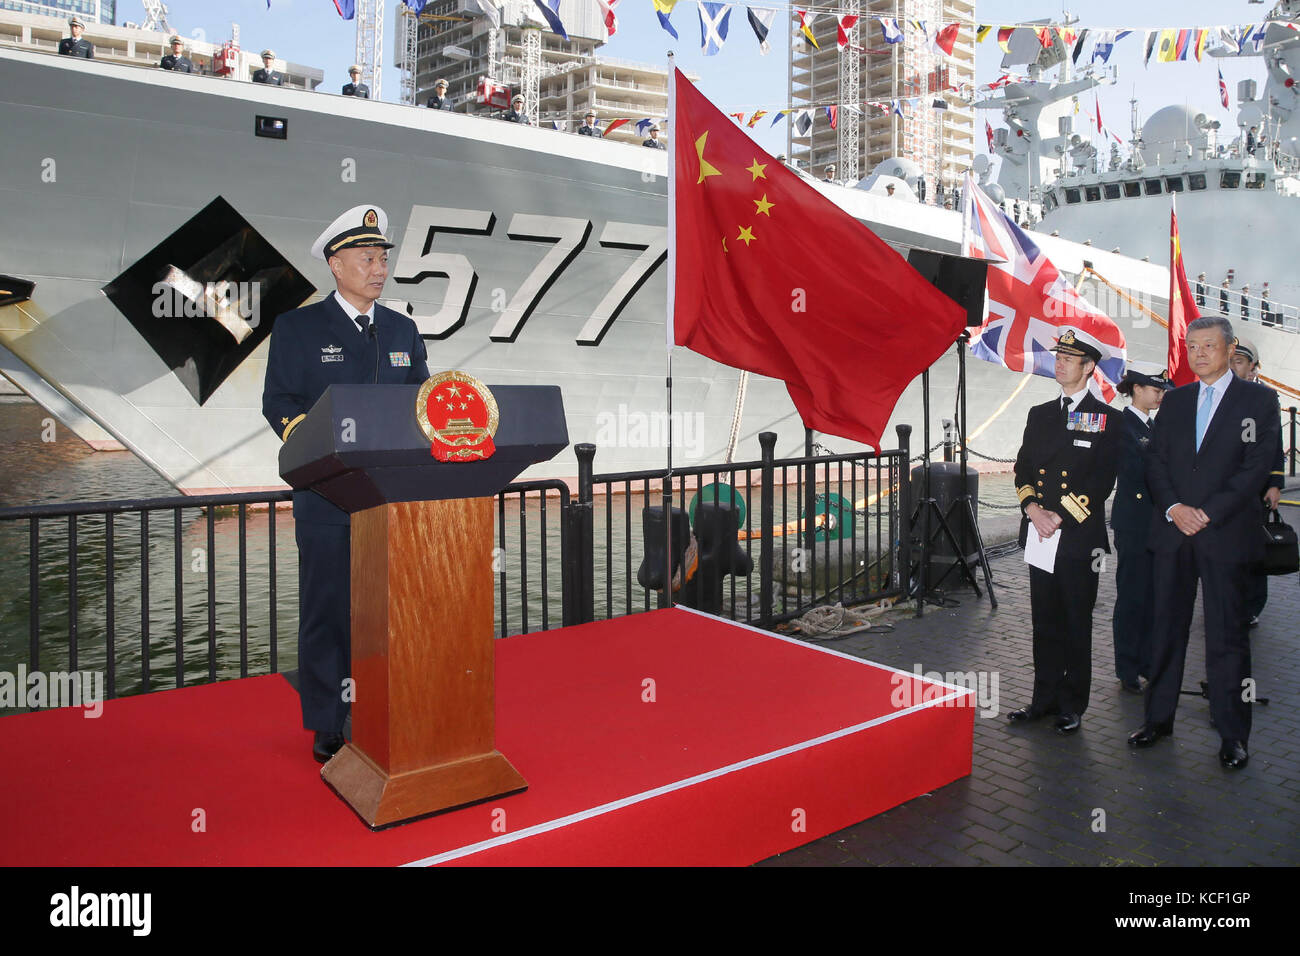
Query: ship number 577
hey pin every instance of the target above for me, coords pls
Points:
(567, 236)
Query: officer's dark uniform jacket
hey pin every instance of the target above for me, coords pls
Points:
(356, 89)
(177, 64)
(272, 77)
(588, 131)
(513, 116)
(653, 144)
(317, 346)
(439, 103)
(1131, 510)
(77, 47)
(1070, 469)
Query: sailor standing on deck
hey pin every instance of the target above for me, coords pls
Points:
(439, 101)
(76, 45)
(516, 112)
(1064, 472)
(345, 339)
(266, 74)
(176, 60)
(356, 87)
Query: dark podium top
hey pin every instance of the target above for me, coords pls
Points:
(382, 456)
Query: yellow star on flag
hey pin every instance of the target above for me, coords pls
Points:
(763, 206)
(747, 234)
(706, 169)
(757, 170)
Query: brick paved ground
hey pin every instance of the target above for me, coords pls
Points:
(1033, 795)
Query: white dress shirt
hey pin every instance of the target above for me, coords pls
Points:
(354, 313)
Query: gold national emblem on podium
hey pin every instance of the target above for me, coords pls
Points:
(458, 415)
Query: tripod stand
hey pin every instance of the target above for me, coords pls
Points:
(930, 510)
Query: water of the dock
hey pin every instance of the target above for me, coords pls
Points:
(1035, 797)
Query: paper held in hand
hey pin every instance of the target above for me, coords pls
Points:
(1040, 553)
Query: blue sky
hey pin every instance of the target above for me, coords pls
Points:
(738, 78)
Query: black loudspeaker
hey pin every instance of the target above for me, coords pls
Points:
(946, 490)
(960, 279)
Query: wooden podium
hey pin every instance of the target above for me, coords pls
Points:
(423, 732)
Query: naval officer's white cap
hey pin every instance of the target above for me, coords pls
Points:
(361, 226)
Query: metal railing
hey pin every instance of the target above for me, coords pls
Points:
(166, 592)
(826, 530)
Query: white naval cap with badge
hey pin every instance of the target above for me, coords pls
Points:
(1074, 341)
(360, 227)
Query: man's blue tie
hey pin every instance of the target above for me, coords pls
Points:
(1203, 414)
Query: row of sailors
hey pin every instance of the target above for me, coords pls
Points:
(176, 61)
(1268, 313)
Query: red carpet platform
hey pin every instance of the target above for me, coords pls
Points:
(667, 738)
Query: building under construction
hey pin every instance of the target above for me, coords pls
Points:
(464, 41)
(941, 141)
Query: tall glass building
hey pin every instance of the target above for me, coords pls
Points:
(92, 11)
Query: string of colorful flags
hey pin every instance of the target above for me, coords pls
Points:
(1170, 44)
(1165, 45)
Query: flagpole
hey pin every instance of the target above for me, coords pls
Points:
(670, 332)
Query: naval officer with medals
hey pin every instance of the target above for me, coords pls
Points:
(346, 338)
(1064, 473)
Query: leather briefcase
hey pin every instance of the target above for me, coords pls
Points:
(1281, 552)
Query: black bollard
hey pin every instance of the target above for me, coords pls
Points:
(717, 525)
(651, 572)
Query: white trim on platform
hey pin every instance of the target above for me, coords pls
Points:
(817, 647)
(614, 805)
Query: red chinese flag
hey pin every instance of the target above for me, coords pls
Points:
(770, 276)
(1182, 309)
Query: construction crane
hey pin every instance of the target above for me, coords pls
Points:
(408, 31)
(155, 17)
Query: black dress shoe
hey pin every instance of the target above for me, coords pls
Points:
(1030, 713)
(326, 745)
(1067, 723)
(1233, 754)
(1148, 734)
(1132, 686)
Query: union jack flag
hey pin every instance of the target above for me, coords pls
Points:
(1029, 301)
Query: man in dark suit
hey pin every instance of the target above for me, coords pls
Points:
(653, 141)
(1064, 473)
(356, 87)
(1211, 451)
(346, 338)
(589, 127)
(76, 45)
(266, 74)
(176, 60)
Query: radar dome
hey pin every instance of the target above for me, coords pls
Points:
(900, 168)
(995, 192)
(1167, 133)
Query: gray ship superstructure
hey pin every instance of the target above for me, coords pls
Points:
(166, 220)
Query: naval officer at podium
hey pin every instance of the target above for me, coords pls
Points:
(345, 339)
